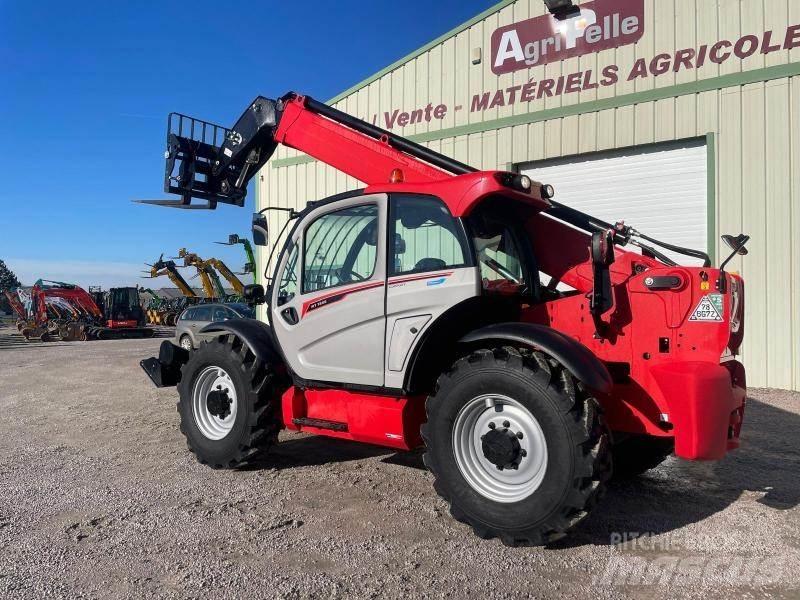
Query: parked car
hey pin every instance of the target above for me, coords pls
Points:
(194, 318)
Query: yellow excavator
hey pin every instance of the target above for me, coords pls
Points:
(167, 313)
(209, 270)
(212, 286)
(230, 276)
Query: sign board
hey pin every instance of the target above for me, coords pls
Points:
(601, 24)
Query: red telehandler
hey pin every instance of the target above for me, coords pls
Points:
(413, 312)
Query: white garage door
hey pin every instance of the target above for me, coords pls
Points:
(660, 190)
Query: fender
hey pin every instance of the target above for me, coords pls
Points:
(576, 357)
(165, 371)
(257, 335)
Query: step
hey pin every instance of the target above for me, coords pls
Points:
(320, 424)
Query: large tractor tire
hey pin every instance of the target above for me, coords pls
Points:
(636, 454)
(229, 403)
(518, 448)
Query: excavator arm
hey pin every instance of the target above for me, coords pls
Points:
(168, 268)
(212, 286)
(229, 275)
(16, 305)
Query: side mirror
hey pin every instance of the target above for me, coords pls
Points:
(253, 294)
(260, 230)
(736, 243)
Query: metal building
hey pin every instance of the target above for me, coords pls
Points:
(680, 116)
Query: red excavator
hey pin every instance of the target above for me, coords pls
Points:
(54, 310)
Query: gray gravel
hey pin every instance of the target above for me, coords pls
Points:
(99, 498)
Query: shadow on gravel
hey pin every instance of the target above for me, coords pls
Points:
(683, 492)
(665, 499)
(314, 450)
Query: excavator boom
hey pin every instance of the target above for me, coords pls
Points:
(168, 268)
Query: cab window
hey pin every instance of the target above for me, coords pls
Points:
(340, 248)
(425, 236)
(287, 289)
(504, 258)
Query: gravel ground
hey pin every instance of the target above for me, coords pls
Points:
(99, 498)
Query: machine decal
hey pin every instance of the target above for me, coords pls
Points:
(336, 296)
(708, 309)
(440, 278)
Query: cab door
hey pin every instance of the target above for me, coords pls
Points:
(431, 270)
(327, 305)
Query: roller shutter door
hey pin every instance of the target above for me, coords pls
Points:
(661, 190)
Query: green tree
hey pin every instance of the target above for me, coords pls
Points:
(8, 281)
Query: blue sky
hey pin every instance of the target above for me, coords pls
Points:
(84, 93)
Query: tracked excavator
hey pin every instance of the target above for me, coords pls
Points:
(55, 310)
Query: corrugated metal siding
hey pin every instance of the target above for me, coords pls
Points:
(755, 131)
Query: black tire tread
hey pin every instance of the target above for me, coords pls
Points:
(587, 427)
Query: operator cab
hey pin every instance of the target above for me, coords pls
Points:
(363, 277)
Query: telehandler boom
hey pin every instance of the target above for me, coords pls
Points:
(413, 312)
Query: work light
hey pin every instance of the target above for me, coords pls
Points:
(562, 9)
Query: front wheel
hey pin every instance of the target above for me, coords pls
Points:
(518, 448)
(228, 403)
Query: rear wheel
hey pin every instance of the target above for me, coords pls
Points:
(228, 403)
(517, 447)
(636, 454)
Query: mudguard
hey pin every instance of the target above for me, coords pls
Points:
(165, 371)
(257, 335)
(576, 357)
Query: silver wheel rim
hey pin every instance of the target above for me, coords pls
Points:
(186, 343)
(211, 426)
(473, 422)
